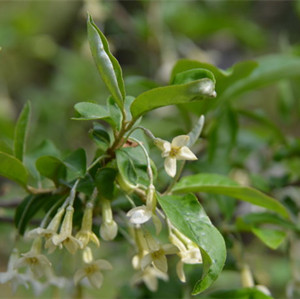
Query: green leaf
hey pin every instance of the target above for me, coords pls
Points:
(21, 131)
(271, 237)
(51, 168)
(106, 63)
(245, 293)
(126, 167)
(100, 136)
(254, 219)
(171, 95)
(218, 184)
(104, 180)
(192, 75)
(114, 112)
(76, 162)
(29, 207)
(270, 69)
(195, 133)
(188, 216)
(13, 169)
(90, 111)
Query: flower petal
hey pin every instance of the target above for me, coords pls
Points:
(150, 281)
(185, 154)
(103, 265)
(170, 166)
(170, 249)
(180, 271)
(139, 215)
(160, 262)
(181, 140)
(96, 279)
(80, 274)
(146, 261)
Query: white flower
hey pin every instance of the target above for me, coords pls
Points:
(12, 275)
(92, 271)
(176, 150)
(65, 235)
(37, 262)
(157, 254)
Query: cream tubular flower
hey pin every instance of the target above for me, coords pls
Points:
(189, 252)
(85, 235)
(157, 254)
(65, 237)
(108, 228)
(38, 263)
(51, 229)
(92, 271)
(176, 150)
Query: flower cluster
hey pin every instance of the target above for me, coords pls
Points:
(59, 233)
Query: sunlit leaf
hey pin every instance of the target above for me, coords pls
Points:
(106, 63)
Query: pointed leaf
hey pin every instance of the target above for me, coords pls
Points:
(218, 184)
(106, 63)
(13, 169)
(90, 111)
(21, 132)
(171, 95)
(271, 237)
(188, 216)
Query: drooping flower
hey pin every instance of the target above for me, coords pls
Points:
(37, 262)
(189, 252)
(157, 254)
(65, 237)
(92, 271)
(176, 150)
(12, 275)
(85, 235)
(48, 232)
(108, 228)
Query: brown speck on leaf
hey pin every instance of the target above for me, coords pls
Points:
(130, 143)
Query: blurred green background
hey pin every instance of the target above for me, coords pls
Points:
(45, 58)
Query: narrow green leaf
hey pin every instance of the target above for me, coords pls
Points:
(195, 133)
(90, 111)
(21, 131)
(106, 63)
(114, 112)
(218, 184)
(171, 95)
(51, 168)
(76, 162)
(13, 169)
(188, 216)
(271, 237)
